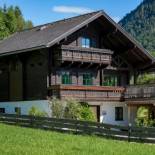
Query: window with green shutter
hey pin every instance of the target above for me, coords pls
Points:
(66, 78)
(110, 80)
(87, 79)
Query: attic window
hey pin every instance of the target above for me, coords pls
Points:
(85, 42)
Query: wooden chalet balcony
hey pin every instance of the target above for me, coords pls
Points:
(88, 93)
(84, 55)
(140, 92)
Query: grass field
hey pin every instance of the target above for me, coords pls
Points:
(25, 141)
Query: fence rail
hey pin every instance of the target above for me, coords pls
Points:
(127, 133)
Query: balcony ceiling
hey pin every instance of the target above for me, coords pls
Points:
(118, 40)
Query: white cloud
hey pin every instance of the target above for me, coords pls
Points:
(116, 19)
(71, 9)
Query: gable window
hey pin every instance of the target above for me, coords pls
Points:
(66, 78)
(87, 79)
(2, 110)
(18, 110)
(86, 42)
(119, 113)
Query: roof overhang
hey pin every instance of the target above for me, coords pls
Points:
(139, 53)
(23, 50)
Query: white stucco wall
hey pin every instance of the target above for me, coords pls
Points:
(107, 109)
(25, 106)
(107, 113)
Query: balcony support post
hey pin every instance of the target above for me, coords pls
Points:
(132, 78)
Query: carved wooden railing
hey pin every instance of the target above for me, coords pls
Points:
(140, 92)
(88, 93)
(80, 54)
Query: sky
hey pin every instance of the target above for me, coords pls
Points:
(45, 11)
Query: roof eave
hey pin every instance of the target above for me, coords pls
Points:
(128, 36)
(99, 14)
(22, 51)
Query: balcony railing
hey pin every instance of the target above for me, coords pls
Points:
(80, 54)
(140, 92)
(88, 93)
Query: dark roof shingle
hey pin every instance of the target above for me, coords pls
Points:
(41, 36)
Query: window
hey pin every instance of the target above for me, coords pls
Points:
(18, 110)
(87, 79)
(86, 42)
(110, 80)
(2, 110)
(119, 113)
(66, 78)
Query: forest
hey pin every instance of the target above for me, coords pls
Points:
(140, 23)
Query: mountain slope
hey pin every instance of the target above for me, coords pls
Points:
(140, 23)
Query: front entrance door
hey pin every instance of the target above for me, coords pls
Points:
(96, 111)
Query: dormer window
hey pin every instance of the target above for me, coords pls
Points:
(86, 42)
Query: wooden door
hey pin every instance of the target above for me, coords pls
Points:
(96, 111)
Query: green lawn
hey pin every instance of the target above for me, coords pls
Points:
(24, 141)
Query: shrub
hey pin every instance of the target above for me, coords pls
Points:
(34, 111)
(57, 108)
(146, 79)
(143, 118)
(86, 113)
(70, 109)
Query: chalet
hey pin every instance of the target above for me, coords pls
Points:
(87, 57)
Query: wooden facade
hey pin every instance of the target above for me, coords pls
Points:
(88, 93)
(84, 55)
(99, 48)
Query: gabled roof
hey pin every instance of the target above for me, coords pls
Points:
(45, 35)
(49, 34)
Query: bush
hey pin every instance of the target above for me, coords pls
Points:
(143, 119)
(70, 109)
(34, 111)
(57, 108)
(86, 113)
(146, 79)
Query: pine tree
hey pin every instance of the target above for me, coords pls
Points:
(11, 21)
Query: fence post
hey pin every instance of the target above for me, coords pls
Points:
(76, 127)
(129, 131)
(32, 121)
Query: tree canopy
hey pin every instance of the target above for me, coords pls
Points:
(11, 21)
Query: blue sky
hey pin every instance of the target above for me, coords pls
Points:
(44, 11)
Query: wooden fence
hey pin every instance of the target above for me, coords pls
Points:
(128, 133)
